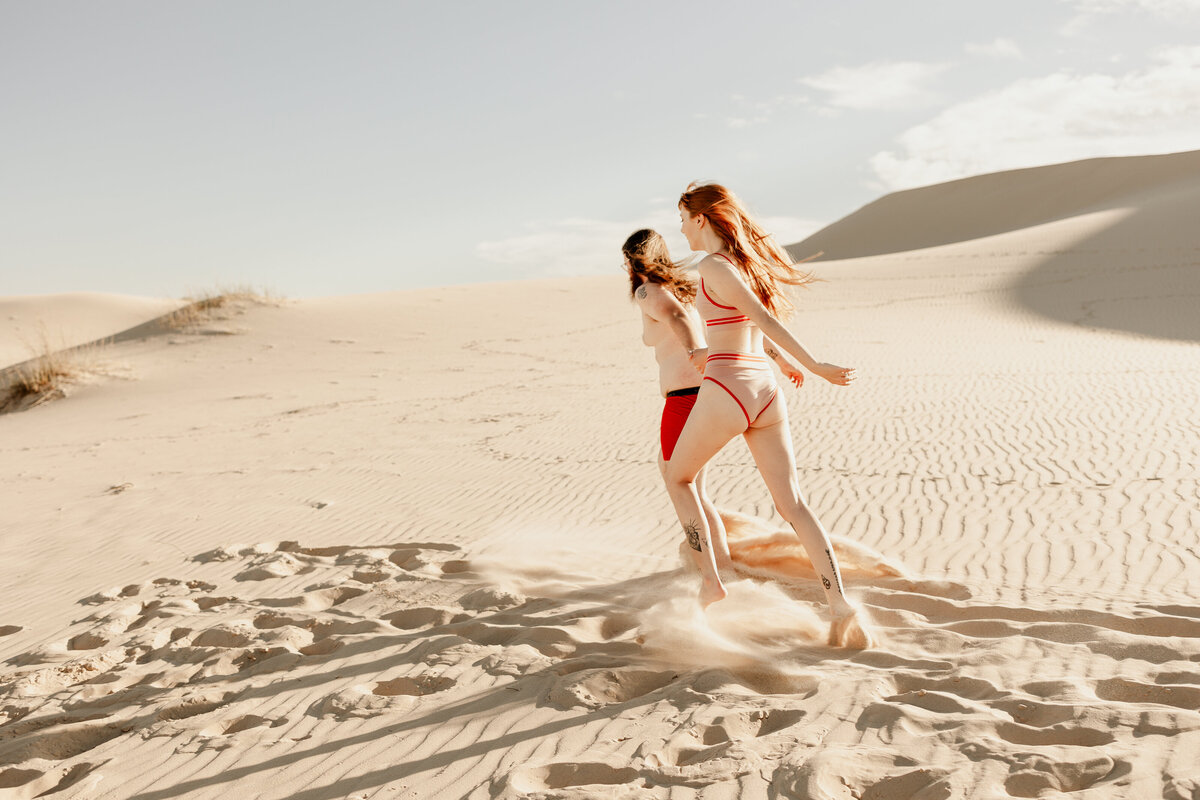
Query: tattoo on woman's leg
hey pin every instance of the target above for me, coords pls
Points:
(833, 567)
(693, 536)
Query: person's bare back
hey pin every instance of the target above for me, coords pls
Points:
(664, 319)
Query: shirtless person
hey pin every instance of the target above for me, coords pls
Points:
(672, 327)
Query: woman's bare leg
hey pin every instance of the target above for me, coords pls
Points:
(771, 447)
(716, 528)
(709, 428)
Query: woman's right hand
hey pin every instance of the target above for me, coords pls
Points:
(838, 376)
(698, 357)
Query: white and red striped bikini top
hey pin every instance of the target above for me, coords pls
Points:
(715, 314)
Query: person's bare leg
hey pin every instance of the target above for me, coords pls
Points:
(696, 555)
(709, 428)
(771, 448)
(716, 527)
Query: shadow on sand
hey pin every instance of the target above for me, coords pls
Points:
(1140, 275)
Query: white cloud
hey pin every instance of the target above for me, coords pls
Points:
(578, 246)
(758, 112)
(1159, 8)
(998, 48)
(879, 85)
(1059, 117)
(1088, 11)
(745, 122)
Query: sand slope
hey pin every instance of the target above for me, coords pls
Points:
(1108, 242)
(67, 320)
(415, 545)
(1000, 202)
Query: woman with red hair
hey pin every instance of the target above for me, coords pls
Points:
(740, 299)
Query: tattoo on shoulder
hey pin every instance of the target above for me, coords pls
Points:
(693, 536)
(641, 292)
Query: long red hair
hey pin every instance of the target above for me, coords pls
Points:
(650, 262)
(763, 263)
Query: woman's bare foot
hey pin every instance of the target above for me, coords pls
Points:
(847, 630)
(711, 593)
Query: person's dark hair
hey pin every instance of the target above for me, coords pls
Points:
(650, 262)
(762, 262)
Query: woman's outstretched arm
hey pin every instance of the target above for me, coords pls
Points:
(719, 274)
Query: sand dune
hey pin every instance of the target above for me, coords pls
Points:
(1108, 243)
(416, 545)
(986, 205)
(67, 320)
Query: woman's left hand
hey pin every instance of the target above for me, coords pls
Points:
(839, 376)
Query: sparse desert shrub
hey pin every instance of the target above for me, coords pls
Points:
(203, 307)
(46, 376)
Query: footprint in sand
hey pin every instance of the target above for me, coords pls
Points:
(48, 680)
(195, 704)
(86, 641)
(547, 640)
(244, 722)
(607, 780)
(234, 633)
(61, 742)
(749, 725)
(358, 702)
(1076, 735)
(596, 688)
(1058, 769)
(1123, 690)
(725, 749)
(490, 598)
(413, 686)
(858, 771)
(316, 599)
(1181, 787)
(416, 558)
(28, 782)
(275, 565)
(323, 648)
(424, 617)
(241, 730)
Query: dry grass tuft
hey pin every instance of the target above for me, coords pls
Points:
(46, 376)
(207, 306)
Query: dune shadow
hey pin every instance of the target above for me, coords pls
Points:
(1140, 275)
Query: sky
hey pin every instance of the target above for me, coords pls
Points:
(329, 148)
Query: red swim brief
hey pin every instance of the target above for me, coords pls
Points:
(675, 413)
